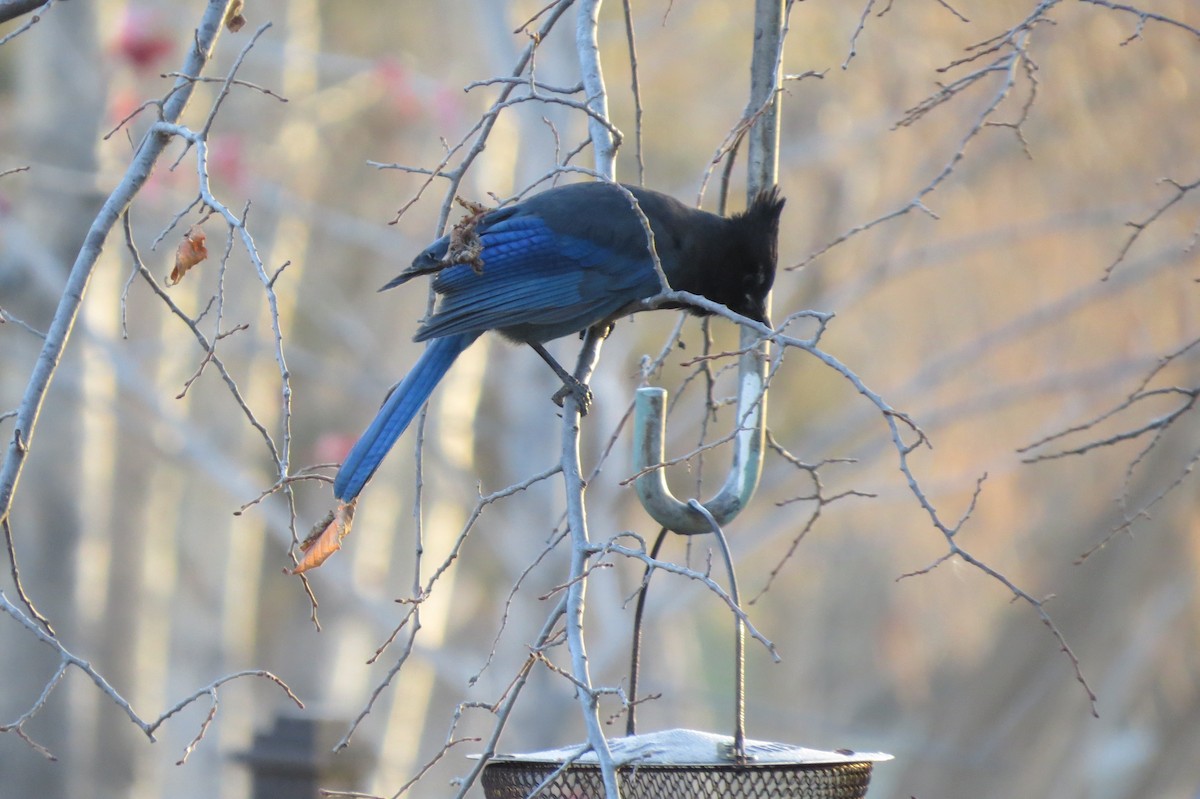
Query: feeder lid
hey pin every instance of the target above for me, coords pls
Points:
(693, 748)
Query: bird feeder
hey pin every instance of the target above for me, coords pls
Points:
(684, 763)
(687, 763)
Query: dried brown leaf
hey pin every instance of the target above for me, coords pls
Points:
(326, 537)
(191, 251)
(465, 245)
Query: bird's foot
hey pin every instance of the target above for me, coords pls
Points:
(578, 390)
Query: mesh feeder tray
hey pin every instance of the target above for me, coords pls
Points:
(684, 763)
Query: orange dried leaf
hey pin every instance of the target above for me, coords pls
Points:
(190, 252)
(325, 538)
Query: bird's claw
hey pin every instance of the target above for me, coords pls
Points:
(578, 390)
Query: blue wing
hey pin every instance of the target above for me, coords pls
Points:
(536, 283)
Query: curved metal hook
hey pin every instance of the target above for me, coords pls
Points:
(648, 436)
(649, 414)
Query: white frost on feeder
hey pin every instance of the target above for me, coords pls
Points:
(693, 748)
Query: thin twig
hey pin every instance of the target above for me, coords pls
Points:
(11, 9)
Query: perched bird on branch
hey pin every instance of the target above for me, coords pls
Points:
(561, 262)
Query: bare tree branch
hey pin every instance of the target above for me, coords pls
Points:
(11, 9)
(1181, 191)
(1143, 18)
(68, 660)
(1012, 59)
(148, 153)
(56, 338)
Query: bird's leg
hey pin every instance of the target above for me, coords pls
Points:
(571, 384)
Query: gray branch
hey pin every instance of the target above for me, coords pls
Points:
(148, 153)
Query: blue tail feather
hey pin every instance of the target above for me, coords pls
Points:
(398, 410)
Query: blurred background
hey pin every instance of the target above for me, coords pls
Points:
(993, 325)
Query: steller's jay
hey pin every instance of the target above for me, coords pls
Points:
(558, 263)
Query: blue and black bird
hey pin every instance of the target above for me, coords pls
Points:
(558, 263)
